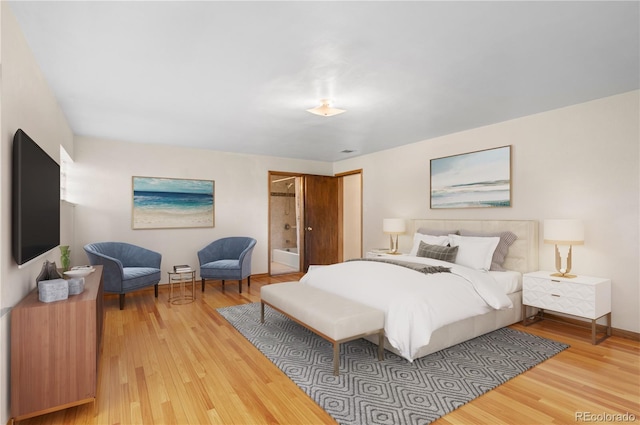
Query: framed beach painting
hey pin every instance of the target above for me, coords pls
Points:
(164, 203)
(472, 180)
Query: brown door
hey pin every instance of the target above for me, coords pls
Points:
(322, 224)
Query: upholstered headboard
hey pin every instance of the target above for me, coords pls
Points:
(523, 253)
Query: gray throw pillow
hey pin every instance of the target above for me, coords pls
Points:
(437, 252)
(499, 255)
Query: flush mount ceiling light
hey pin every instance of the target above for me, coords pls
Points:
(325, 110)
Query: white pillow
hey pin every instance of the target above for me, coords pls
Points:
(474, 252)
(430, 239)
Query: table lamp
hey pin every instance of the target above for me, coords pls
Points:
(563, 232)
(393, 226)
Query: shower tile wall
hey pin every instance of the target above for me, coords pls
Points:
(283, 215)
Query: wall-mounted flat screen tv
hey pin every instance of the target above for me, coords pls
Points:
(35, 219)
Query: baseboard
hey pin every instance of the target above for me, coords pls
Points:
(198, 279)
(621, 333)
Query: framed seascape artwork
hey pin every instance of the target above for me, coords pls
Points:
(164, 203)
(472, 180)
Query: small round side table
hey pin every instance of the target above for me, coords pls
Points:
(183, 295)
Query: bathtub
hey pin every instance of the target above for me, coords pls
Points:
(286, 256)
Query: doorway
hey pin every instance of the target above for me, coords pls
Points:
(328, 220)
(284, 223)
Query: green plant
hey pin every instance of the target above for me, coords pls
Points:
(65, 261)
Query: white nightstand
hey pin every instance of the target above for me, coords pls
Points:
(583, 296)
(376, 253)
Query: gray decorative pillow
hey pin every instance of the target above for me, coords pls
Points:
(425, 231)
(437, 252)
(499, 255)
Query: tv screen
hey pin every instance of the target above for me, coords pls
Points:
(35, 200)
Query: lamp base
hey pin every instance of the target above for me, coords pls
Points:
(563, 272)
(393, 245)
(568, 276)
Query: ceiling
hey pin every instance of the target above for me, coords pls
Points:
(239, 76)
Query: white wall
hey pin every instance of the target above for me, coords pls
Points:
(352, 216)
(576, 162)
(101, 188)
(27, 103)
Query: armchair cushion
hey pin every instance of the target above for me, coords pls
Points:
(139, 277)
(222, 264)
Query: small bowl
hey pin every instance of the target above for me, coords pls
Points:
(79, 272)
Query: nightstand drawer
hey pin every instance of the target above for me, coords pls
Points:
(561, 288)
(561, 303)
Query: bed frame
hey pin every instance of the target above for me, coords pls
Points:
(522, 257)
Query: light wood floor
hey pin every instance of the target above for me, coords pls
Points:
(168, 364)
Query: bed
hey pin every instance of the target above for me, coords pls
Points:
(420, 324)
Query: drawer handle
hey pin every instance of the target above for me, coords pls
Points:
(553, 280)
(554, 295)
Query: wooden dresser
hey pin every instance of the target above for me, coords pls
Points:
(54, 350)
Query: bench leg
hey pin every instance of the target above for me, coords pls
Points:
(261, 312)
(336, 358)
(381, 345)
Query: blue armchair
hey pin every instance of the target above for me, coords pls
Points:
(227, 258)
(126, 267)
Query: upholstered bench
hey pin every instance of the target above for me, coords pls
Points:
(331, 316)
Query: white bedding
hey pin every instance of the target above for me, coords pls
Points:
(415, 304)
(508, 280)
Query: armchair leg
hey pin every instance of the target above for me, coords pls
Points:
(240, 286)
(203, 284)
(121, 301)
(156, 289)
(249, 281)
(223, 284)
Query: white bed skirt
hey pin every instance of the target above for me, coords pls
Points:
(466, 329)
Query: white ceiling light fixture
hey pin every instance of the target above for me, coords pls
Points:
(325, 110)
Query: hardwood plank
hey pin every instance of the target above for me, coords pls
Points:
(185, 364)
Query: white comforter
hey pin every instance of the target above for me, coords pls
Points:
(415, 304)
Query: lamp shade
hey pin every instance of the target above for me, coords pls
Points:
(564, 232)
(393, 225)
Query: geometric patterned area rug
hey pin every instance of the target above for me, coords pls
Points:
(392, 391)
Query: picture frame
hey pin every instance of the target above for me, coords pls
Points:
(169, 203)
(479, 179)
